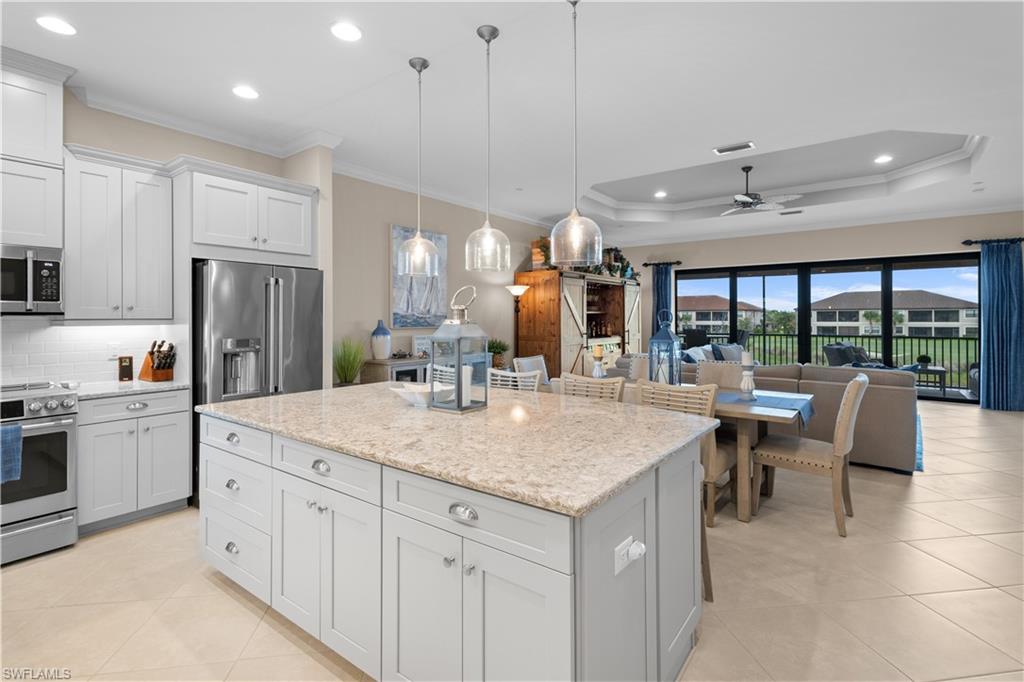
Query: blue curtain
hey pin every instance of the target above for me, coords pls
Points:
(1002, 326)
(662, 294)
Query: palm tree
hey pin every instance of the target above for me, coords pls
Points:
(874, 318)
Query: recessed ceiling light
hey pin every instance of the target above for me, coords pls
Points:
(57, 25)
(346, 31)
(660, 194)
(245, 92)
(883, 158)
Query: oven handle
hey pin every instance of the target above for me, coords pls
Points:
(55, 522)
(48, 425)
(30, 266)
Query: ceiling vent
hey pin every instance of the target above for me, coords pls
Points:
(731, 148)
(796, 212)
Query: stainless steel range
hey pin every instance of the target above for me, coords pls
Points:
(38, 509)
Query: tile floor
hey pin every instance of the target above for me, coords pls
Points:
(927, 586)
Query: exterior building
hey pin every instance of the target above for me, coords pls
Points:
(711, 313)
(915, 313)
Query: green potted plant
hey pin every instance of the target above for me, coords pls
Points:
(923, 361)
(349, 356)
(497, 348)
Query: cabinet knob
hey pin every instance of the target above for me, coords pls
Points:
(131, 308)
(636, 550)
(463, 512)
(231, 548)
(233, 438)
(116, 307)
(468, 569)
(449, 561)
(145, 429)
(310, 504)
(131, 432)
(321, 509)
(232, 484)
(321, 467)
(255, 239)
(264, 240)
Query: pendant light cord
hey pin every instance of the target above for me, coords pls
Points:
(419, 148)
(487, 194)
(575, 119)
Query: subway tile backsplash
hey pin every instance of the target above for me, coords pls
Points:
(33, 349)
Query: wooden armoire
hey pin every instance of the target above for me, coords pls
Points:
(565, 315)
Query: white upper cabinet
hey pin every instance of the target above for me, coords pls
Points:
(224, 212)
(147, 249)
(92, 250)
(33, 204)
(33, 127)
(284, 221)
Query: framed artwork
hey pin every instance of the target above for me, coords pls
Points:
(418, 302)
(421, 346)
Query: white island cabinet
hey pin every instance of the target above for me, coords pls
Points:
(511, 543)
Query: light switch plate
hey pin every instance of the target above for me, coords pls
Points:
(622, 554)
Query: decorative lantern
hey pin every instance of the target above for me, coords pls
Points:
(458, 361)
(665, 352)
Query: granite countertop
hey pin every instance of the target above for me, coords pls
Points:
(560, 453)
(90, 390)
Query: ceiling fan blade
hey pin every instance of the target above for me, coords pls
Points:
(743, 198)
(768, 206)
(783, 198)
(733, 210)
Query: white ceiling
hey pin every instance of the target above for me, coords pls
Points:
(661, 83)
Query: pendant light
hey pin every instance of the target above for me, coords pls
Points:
(488, 248)
(575, 240)
(418, 257)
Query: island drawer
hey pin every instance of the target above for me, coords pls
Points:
(236, 486)
(131, 406)
(528, 532)
(241, 440)
(346, 474)
(240, 552)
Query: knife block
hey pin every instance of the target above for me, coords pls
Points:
(147, 373)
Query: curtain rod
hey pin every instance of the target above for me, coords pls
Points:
(1007, 240)
(665, 262)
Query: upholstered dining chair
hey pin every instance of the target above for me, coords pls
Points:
(817, 456)
(698, 400)
(516, 381)
(532, 363)
(722, 373)
(718, 457)
(586, 387)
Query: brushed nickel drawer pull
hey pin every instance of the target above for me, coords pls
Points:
(231, 548)
(137, 405)
(233, 438)
(463, 513)
(321, 467)
(232, 484)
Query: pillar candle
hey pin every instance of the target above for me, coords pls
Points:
(747, 358)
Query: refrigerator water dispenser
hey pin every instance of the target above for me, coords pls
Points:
(241, 367)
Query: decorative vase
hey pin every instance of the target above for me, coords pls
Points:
(747, 384)
(380, 341)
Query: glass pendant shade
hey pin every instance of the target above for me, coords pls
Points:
(576, 241)
(488, 249)
(418, 257)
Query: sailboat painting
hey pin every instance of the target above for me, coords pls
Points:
(418, 301)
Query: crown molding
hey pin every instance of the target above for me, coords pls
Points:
(314, 138)
(34, 66)
(362, 173)
(85, 153)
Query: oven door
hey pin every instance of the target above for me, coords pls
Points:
(48, 471)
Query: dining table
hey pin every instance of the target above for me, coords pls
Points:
(768, 407)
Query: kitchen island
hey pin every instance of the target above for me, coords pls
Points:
(546, 537)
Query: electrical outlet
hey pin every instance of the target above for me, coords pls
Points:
(622, 554)
(113, 350)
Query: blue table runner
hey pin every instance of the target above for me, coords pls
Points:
(802, 405)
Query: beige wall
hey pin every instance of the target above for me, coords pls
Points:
(103, 130)
(911, 238)
(363, 215)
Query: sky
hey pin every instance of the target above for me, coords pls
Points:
(780, 291)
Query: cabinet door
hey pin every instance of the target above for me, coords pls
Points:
(295, 548)
(574, 324)
(165, 459)
(633, 333)
(517, 618)
(147, 246)
(107, 470)
(92, 241)
(285, 222)
(33, 126)
(421, 634)
(223, 212)
(350, 579)
(33, 205)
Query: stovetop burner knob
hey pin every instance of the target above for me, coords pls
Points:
(68, 403)
(35, 406)
(52, 404)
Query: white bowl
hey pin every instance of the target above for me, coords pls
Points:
(419, 394)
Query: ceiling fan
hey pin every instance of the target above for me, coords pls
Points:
(753, 201)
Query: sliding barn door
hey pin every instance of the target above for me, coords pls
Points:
(574, 326)
(631, 344)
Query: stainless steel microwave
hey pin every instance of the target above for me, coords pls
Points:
(31, 280)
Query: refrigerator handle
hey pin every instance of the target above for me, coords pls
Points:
(279, 341)
(271, 345)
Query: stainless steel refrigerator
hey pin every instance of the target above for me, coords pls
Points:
(258, 330)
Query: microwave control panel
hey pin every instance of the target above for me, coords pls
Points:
(46, 286)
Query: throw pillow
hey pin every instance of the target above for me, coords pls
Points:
(716, 352)
(732, 352)
(860, 355)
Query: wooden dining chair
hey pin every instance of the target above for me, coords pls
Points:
(516, 381)
(698, 400)
(586, 387)
(818, 457)
(718, 457)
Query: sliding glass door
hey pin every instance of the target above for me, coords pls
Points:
(766, 309)
(702, 303)
(846, 308)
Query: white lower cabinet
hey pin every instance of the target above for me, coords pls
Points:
(456, 609)
(164, 459)
(325, 572)
(107, 470)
